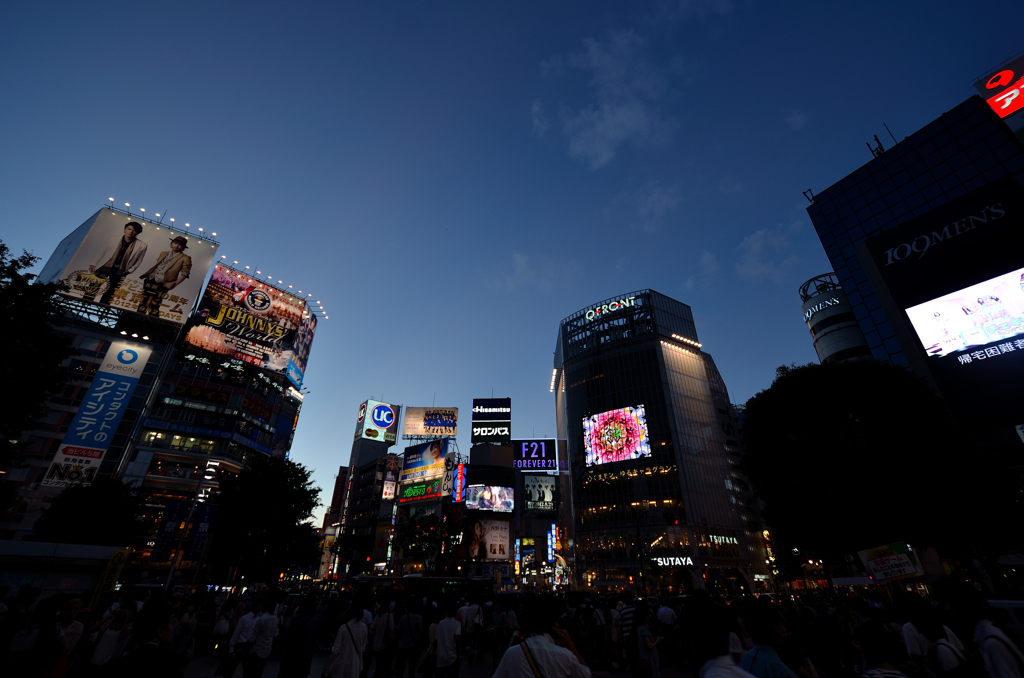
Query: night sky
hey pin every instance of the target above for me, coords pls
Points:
(452, 179)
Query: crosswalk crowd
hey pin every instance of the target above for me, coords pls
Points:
(837, 633)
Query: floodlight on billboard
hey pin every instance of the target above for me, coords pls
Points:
(378, 421)
(126, 262)
(616, 435)
(254, 322)
(431, 421)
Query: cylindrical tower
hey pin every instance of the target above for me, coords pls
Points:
(833, 326)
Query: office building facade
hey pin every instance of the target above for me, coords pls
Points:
(658, 494)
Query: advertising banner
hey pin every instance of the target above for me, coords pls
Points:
(428, 489)
(378, 421)
(424, 461)
(494, 432)
(1004, 92)
(201, 519)
(448, 484)
(616, 435)
(86, 442)
(132, 264)
(490, 498)
(536, 455)
(431, 421)
(540, 492)
(890, 562)
(251, 321)
(300, 350)
(175, 511)
(390, 484)
(492, 409)
(490, 540)
(459, 490)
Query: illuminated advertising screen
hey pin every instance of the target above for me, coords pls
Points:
(300, 350)
(424, 461)
(616, 435)
(430, 489)
(492, 421)
(490, 540)
(132, 264)
(459, 490)
(536, 455)
(490, 498)
(431, 421)
(378, 421)
(988, 314)
(242, 318)
(540, 492)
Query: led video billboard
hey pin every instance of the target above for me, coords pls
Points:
(540, 492)
(132, 264)
(616, 435)
(990, 313)
(251, 321)
(490, 498)
(424, 461)
(431, 421)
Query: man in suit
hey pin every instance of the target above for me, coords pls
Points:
(170, 270)
(119, 259)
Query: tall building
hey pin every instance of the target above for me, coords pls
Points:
(659, 497)
(952, 311)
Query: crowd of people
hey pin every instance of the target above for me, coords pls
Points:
(388, 634)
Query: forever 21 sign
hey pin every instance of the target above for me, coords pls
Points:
(536, 455)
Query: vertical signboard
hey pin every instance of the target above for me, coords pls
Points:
(448, 484)
(86, 442)
(175, 511)
(459, 490)
(492, 421)
(201, 519)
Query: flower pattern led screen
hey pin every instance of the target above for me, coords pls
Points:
(616, 435)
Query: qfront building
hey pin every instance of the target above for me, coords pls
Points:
(659, 499)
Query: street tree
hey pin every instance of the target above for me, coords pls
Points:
(35, 350)
(261, 528)
(856, 454)
(104, 513)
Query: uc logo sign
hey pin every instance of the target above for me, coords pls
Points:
(127, 356)
(382, 416)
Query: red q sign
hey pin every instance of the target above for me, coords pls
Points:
(999, 79)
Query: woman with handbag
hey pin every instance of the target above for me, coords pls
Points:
(346, 660)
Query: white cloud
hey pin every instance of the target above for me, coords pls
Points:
(729, 185)
(540, 121)
(796, 120)
(767, 254)
(648, 206)
(532, 273)
(626, 87)
(707, 266)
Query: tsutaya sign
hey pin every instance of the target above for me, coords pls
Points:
(600, 311)
(664, 562)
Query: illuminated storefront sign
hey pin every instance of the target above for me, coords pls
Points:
(417, 491)
(600, 311)
(669, 562)
(715, 539)
(834, 301)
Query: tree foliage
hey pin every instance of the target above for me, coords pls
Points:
(103, 513)
(261, 527)
(34, 349)
(856, 454)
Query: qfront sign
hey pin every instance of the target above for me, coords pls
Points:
(599, 312)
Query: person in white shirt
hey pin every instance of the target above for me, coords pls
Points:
(239, 645)
(346, 658)
(1001, 657)
(547, 647)
(667, 616)
(448, 638)
(710, 641)
(263, 633)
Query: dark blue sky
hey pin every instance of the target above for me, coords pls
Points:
(452, 179)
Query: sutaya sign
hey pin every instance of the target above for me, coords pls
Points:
(600, 311)
(667, 562)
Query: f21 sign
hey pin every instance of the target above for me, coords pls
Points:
(535, 455)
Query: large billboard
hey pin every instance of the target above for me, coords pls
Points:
(490, 498)
(616, 435)
(378, 421)
(536, 455)
(431, 421)
(424, 461)
(135, 265)
(492, 421)
(78, 459)
(489, 540)
(1004, 91)
(253, 322)
(540, 492)
(950, 282)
